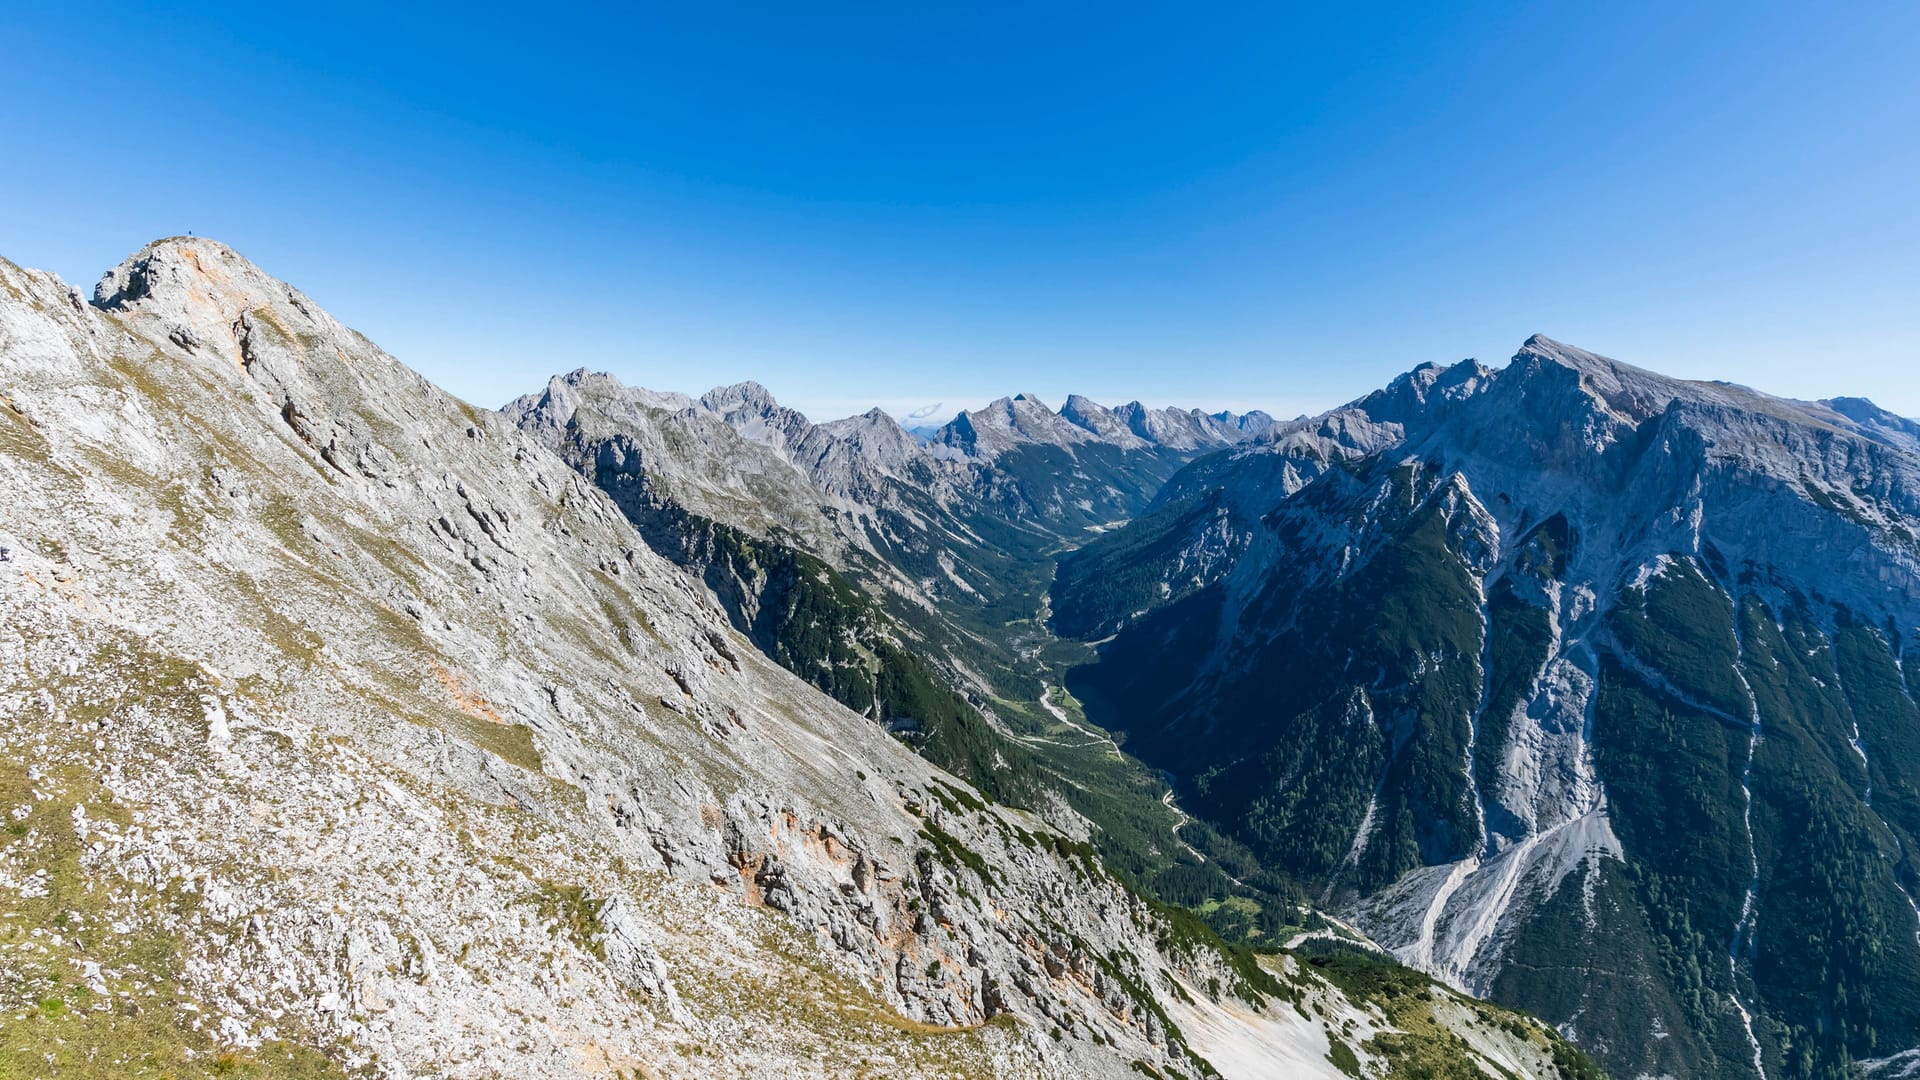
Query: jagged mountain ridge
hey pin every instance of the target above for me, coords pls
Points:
(1024, 419)
(350, 729)
(1541, 673)
(850, 461)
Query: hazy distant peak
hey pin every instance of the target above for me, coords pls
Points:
(874, 420)
(748, 395)
(1248, 424)
(565, 394)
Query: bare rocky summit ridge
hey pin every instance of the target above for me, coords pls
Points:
(686, 452)
(1557, 418)
(850, 460)
(1024, 419)
(348, 728)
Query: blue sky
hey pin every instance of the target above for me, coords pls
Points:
(864, 204)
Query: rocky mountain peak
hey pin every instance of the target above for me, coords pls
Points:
(876, 420)
(746, 396)
(205, 297)
(1003, 424)
(1025, 419)
(1423, 393)
(1689, 602)
(555, 407)
(1248, 424)
(1634, 394)
(1877, 422)
(874, 439)
(1541, 347)
(750, 409)
(1109, 425)
(169, 266)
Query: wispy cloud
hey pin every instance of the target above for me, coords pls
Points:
(925, 411)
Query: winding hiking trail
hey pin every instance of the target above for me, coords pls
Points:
(1097, 737)
(1101, 737)
(1167, 801)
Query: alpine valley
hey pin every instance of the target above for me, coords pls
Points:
(1520, 722)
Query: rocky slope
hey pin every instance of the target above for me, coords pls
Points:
(348, 729)
(1569, 683)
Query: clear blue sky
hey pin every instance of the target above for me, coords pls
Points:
(908, 204)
